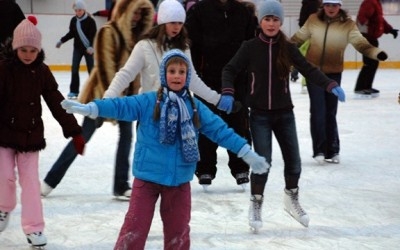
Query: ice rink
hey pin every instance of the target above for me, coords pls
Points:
(353, 205)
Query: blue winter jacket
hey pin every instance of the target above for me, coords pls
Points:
(163, 163)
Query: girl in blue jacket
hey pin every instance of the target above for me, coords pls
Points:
(166, 151)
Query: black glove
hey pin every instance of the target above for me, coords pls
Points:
(382, 56)
(97, 13)
(394, 32)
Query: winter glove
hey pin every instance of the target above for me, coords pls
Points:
(382, 56)
(58, 44)
(338, 91)
(257, 163)
(79, 143)
(89, 109)
(97, 13)
(226, 103)
(394, 33)
(90, 50)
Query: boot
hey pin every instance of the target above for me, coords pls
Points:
(292, 206)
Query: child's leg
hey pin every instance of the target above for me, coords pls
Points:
(136, 227)
(31, 203)
(8, 197)
(175, 209)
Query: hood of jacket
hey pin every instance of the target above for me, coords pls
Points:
(122, 15)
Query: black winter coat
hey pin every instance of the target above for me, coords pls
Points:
(21, 89)
(89, 28)
(10, 16)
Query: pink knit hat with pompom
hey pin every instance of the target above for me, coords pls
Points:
(26, 34)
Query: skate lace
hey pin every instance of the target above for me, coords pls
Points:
(241, 175)
(296, 205)
(3, 215)
(257, 210)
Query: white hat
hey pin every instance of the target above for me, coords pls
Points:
(171, 11)
(332, 1)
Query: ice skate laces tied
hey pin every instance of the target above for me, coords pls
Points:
(294, 197)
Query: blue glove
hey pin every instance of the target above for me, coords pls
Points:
(226, 103)
(338, 91)
(89, 109)
(257, 163)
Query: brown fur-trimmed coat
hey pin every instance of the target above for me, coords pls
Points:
(113, 44)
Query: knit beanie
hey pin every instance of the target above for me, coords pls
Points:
(163, 65)
(332, 1)
(26, 34)
(270, 8)
(170, 11)
(79, 5)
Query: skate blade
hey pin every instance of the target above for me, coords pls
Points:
(122, 198)
(38, 247)
(304, 224)
(243, 186)
(205, 187)
(365, 97)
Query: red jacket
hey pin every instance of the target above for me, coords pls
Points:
(370, 19)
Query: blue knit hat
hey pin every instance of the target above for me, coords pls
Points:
(163, 65)
(270, 8)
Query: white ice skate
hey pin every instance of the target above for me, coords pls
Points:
(320, 159)
(255, 212)
(37, 240)
(292, 206)
(45, 189)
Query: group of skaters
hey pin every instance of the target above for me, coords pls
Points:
(193, 79)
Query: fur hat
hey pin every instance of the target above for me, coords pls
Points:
(79, 5)
(270, 8)
(26, 34)
(170, 11)
(332, 1)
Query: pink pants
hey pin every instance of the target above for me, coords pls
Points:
(175, 209)
(28, 175)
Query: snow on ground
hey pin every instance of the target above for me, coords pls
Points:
(353, 205)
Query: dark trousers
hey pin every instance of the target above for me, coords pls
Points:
(323, 124)
(368, 70)
(68, 155)
(77, 55)
(283, 126)
(239, 122)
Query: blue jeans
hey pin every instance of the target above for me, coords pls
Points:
(77, 55)
(323, 125)
(283, 125)
(89, 126)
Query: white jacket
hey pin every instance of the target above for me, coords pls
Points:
(145, 60)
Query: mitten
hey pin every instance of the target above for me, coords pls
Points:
(394, 33)
(58, 44)
(257, 163)
(91, 110)
(90, 50)
(79, 143)
(226, 103)
(382, 56)
(338, 91)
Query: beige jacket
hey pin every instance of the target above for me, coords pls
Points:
(329, 39)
